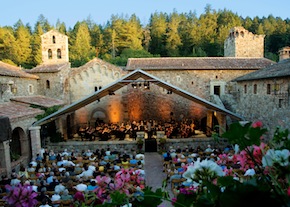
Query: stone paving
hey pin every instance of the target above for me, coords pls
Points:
(154, 174)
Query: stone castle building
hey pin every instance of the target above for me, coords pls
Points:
(55, 83)
(242, 43)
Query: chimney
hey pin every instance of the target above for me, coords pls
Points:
(284, 53)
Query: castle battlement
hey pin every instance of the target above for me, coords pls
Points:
(242, 43)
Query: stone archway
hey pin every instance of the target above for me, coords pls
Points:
(98, 114)
(19, 145)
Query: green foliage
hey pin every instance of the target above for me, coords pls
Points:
(129, 53)
(281, 138)
(175, 34)
(14, 156)
(47, 112)
(244, 135)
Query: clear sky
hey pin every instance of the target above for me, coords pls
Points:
(71, 11)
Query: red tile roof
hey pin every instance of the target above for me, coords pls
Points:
(48, 68)
(14, 71)
(17, 110)
(197, 63)
(38, 100)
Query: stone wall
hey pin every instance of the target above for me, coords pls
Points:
(271, 106)
(23, 87)
(242, 43)
(89, 78)
(130, 146)
(58, 84)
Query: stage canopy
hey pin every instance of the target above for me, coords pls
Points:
(129, 79)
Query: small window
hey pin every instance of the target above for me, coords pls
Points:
(255, 88)
(47, 84)
(58, 53)
(96, 88)
(100, 87)
(280, 103)
(49, 54)
(53, 39)
(245, 88)
(30, 89)
(268, 88)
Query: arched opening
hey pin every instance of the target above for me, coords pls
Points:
(15, 144)
(58, 54)
(53, 39)
(49, 54)
(47, 84)
(98, 116)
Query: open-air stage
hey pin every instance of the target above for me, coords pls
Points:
(150, 145)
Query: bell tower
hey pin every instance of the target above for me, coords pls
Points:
(54, 46)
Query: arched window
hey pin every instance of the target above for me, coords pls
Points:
(53, 39)
(255, 88)
(30, 89)
(47, 84)
(245, 88)
(58, 53)
(242, 33)
(268, 89)
(49, 54)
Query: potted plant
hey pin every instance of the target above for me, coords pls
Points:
(140, 143)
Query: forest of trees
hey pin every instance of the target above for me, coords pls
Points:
(166, 35)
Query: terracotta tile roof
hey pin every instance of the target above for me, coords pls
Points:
(38, 100)
(14, 71)
(197, 63)
(17, 110)
(278, 70)
(48, 68)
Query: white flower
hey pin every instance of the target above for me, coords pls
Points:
(207, 166)
(276, 156)
(250, 172)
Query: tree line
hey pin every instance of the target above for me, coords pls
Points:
(166, 35)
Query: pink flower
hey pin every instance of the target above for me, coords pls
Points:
(257, 124)
(288, 191)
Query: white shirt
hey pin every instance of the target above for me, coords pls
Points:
(55, 197)
(139, 156)
(81, 187)
(87, 173)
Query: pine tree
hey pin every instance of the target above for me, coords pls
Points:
(81, 50)
(23, 49)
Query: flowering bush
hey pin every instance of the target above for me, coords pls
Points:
(261, 172)
(20, 196)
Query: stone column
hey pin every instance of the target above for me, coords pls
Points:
(222, 119)
(35, 140)
(24, 146)
(209, 121)
(5, 161)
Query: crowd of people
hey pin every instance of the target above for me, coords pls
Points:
(105, 131)
(67, 176)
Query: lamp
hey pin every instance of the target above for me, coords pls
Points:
(134, 85)
(111, 93)
(146, 85)
(13, 89)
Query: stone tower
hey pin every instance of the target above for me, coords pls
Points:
(54, 46)
(284, 53)
(242, 43)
